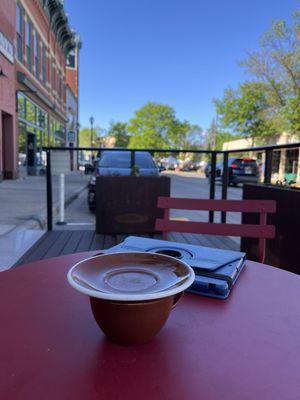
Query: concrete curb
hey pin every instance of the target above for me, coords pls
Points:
(40, 220)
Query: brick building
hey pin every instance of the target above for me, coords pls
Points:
(72, 93)
(40, 33)
(8, 146)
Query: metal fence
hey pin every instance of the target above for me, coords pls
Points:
(267, 150)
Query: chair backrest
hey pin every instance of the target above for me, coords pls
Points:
(261, 231)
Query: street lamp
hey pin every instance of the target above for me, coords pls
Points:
(92, 139)
(92, 124)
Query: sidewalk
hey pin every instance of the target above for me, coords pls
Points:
(23, 211)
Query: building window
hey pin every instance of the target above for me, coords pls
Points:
(44, 64)
(60, 88)
(19, 25)
(30, 112)
(51, 74)
(29, 44)
(275, 161)
(37, 55)
(71, 60)
(21, 106)
(291, 163)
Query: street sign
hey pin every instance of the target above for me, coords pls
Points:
(71, 136)
(6, 47)
(60, 162)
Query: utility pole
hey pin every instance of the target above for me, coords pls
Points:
(92, 130)
(92, 134)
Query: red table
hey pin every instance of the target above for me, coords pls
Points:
(246, 347)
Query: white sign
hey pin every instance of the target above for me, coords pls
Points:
(6, 47)
(60, 162)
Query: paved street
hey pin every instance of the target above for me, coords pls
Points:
(183, 184)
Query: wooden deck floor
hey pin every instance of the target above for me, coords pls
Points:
(58, 243)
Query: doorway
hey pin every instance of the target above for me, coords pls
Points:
(31, 153)
(7, 145)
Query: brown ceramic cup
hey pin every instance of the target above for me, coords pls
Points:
(131, 293)
(133, 322)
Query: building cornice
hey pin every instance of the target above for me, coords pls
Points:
(59, 24)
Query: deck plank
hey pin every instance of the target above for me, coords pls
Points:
(56, 243)
(85, 241)
(59, 245)
(39, 249)
(109, 241)
(97, 242)
(72, 243)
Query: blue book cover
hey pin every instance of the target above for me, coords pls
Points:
(216, 270)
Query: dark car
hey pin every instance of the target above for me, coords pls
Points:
(240, 170)
(117, 163)
(207, 170)
(89, 169)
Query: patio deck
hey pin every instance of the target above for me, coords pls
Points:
(58, 243)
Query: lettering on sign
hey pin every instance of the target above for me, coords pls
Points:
(71, 136)
(60, 162)
(6, 47)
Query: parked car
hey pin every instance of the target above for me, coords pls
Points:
(240, 170)
(189, 166)
(207, 170)
(170, 163)
(117, 163)
(89, 169)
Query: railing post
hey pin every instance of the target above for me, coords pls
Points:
(268, 166)
(212, 187)
(225, 177)
(132, 159)
(49, 193)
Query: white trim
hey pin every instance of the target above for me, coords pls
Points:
(131, 297)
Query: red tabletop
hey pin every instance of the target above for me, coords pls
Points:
(245, 347)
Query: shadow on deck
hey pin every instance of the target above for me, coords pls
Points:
(58, 243)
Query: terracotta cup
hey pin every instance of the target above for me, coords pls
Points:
(133, 322)
(131, 293)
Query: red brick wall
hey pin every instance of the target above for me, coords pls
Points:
(7, 90)
(55, 56)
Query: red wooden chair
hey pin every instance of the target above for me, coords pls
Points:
(262, 231)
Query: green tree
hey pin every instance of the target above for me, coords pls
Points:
(276, 64)
(85, 137)
(216, 138)
(247, 111)
(119, 131)
(156, 126)
(223, 137)
(269, 104)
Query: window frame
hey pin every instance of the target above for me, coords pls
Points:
(44, 63)
(20, 31)
(37, 55)
(28, 42)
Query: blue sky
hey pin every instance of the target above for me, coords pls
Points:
(180, 52)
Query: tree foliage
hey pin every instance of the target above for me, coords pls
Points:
(270, 103)
(246, 110)
(119, 131)
(156, 126)
(85, 137)
(215, 138)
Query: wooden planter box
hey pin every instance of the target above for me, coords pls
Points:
(284, 250)
(128, 204)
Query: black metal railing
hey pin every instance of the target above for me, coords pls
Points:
(268, 150)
